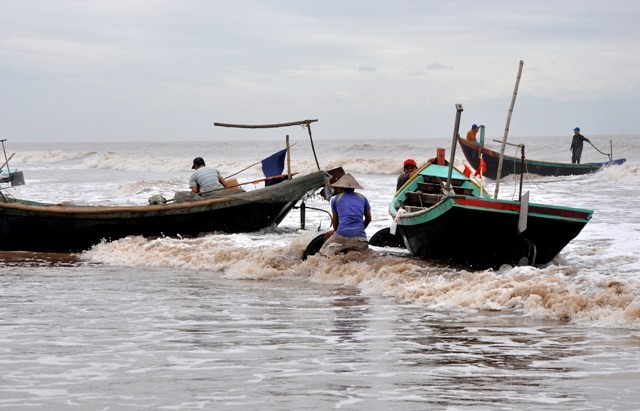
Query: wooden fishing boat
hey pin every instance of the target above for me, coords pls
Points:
(443, 214)
(515, 165)
(463, 225)
(33, 226)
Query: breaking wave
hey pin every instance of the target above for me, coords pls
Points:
(558, 292)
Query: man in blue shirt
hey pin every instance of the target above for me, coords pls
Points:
(351, 214)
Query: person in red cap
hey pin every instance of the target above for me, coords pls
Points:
(410, 168)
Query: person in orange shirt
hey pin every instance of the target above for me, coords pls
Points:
(471, 134)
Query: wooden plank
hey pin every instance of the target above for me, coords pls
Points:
(277, 125)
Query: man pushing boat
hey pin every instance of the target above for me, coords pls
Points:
(351, 214)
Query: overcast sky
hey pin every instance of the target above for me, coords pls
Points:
(162, 70)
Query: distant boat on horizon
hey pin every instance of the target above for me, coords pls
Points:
(513, 165)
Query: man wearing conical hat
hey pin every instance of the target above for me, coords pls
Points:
(350, 215)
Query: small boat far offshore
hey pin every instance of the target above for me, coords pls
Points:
(514, 165)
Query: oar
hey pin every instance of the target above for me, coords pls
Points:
(248, 167)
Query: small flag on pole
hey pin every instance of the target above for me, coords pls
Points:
(481, 168)
(274, 166)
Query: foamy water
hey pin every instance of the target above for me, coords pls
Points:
(240, 321)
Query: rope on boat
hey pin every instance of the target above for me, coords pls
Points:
(528, 174)
(606, 154)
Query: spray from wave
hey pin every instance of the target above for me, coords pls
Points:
(554, 292)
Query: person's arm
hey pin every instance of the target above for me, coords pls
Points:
(335, 221)
(400, 182)
(193, 183)
(367, 218)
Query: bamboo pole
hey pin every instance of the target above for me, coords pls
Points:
(7, 162)
(456, 129)
(506, 130)
(288, 158)
(293, 123)
(306, 123)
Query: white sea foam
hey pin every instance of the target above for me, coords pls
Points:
(555, 292)
(592, 282)
(54, 156)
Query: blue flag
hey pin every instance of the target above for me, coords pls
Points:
(273, 166)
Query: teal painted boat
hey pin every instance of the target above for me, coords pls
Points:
(456, 221)
(442, 214)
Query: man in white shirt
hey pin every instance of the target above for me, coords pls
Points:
(205, 181)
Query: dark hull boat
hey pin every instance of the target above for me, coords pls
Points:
(442, 214)
(513, 165)
(32, 226)
(463, 225)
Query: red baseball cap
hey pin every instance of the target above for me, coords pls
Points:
(410, 161)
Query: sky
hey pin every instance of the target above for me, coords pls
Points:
(165, 70)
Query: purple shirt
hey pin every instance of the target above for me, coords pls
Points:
(350, 207)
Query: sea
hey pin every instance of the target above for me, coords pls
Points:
(241, 322)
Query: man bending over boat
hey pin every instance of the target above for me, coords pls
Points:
(206, 181)
(576, 145)
(351, 214)
(409, 169)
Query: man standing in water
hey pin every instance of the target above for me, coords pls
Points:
(351, 214)
(576, 145)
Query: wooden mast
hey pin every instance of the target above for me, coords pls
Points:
(506, 130)
(305, 123)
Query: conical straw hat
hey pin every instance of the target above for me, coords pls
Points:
(347, 181)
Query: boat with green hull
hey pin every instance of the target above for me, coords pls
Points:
(444, 214)
(463, 225)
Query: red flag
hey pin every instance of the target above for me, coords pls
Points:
(481, 168)
(467, 171)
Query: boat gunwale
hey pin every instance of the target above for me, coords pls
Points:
(194, 205)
